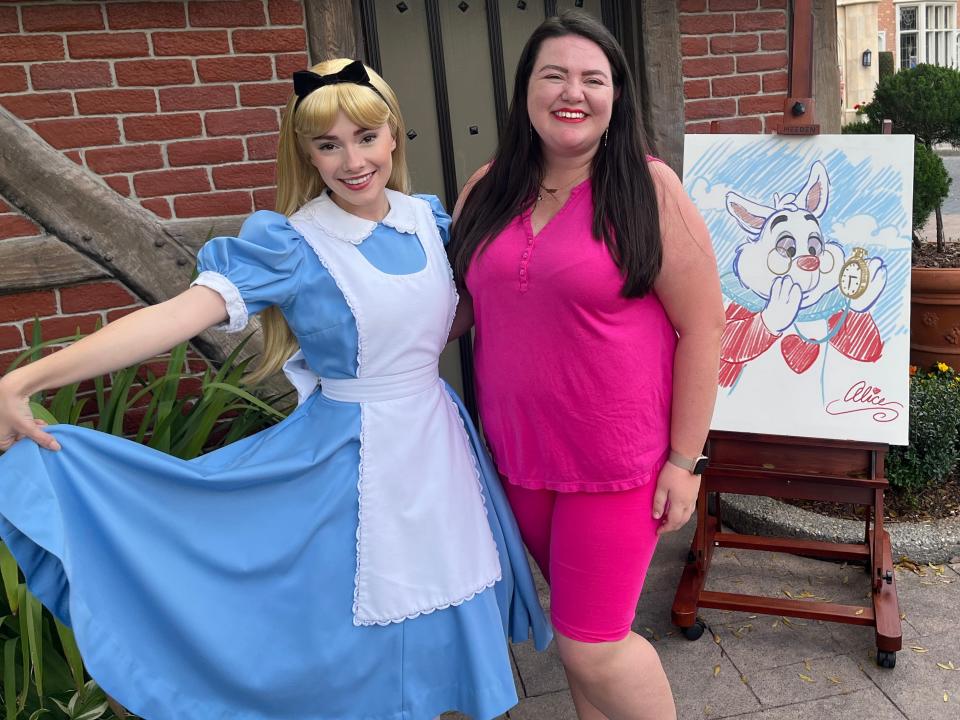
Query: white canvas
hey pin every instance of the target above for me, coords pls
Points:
(812, 237)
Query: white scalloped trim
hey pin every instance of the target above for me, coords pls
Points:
(338, 223)
(356, 574)
(296, 219)
(418, 613)
(452, 406)
(237, 316)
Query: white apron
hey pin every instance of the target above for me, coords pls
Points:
(423, 540)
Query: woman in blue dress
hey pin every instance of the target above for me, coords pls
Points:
(357, 560)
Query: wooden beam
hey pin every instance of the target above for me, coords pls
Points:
(331, 29)
(126, 241)
(826, 68)
(662, 82)
(43, 262)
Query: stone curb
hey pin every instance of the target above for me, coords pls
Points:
(937, 541)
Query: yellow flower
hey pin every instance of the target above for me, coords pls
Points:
(943, 367)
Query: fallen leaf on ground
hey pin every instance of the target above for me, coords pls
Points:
(716, 670)
(918, 649)
(806, 678)
(834, 679)
(947, 665)
(806, 664)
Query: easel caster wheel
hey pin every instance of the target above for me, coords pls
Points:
(694, 631)
(886, 659)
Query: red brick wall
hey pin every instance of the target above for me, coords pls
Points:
(61, 312)
(14, 224)
(887, 21)
(734, 63)
(173, 104)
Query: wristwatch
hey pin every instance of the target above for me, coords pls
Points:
(694, 466)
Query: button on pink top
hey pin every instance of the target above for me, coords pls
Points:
(574, 380)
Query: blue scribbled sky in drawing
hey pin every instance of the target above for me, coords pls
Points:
(866, 186)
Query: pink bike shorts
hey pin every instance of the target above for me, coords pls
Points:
(594, 549)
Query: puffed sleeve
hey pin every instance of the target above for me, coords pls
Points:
(257, 269)
(440, 216)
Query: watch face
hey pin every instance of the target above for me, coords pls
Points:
(700, 465)
(851, 279)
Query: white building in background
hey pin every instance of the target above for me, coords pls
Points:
(858, 50)
(915, 32)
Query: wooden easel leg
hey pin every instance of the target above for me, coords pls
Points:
(687, 599)
(886, 608)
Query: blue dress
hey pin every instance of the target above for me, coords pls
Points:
(222, 587)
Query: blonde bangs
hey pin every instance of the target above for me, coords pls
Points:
(318, 111)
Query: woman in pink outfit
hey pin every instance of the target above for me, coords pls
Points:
(593, 287)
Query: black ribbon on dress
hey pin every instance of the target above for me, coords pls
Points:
(305, 81)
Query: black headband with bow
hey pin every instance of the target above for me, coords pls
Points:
(305, 82)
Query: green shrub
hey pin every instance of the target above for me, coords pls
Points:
(923, 101)
(885, 68)
(931, 184)
(42, 675)
(860, 128)
(931, 455)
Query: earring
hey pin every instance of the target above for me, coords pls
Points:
(605, 132)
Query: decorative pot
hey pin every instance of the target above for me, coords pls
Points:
(935, 316)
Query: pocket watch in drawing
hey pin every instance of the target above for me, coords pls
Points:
(855, 275)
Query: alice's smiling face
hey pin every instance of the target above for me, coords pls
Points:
(355, 163)
(570, 95)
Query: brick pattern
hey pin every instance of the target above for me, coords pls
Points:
(61, 313)
(887, 22)
(734, 64)
(156, 96)
(14, 224)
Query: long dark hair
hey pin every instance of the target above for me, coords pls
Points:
(625, 211)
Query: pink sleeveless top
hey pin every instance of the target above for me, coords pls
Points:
(574, 381)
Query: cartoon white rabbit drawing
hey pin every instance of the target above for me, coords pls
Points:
(790, 283)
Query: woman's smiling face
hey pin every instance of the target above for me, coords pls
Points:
(355, 163)
(570, 95)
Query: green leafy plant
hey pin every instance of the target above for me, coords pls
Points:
(931, 185)
(886, 67)
(923, 101)
(42, 674)
(931, 455)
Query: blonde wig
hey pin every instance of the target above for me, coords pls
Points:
(298, 181)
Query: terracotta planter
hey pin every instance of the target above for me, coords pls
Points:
(935, 316)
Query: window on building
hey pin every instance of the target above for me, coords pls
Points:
(882, 40)
(907, 40)
(940, 31)
(927, 33)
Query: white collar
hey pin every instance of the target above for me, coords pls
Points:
(338, 223)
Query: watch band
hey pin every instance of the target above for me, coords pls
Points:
(694, 466)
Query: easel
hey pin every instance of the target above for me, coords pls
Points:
(801, 468)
